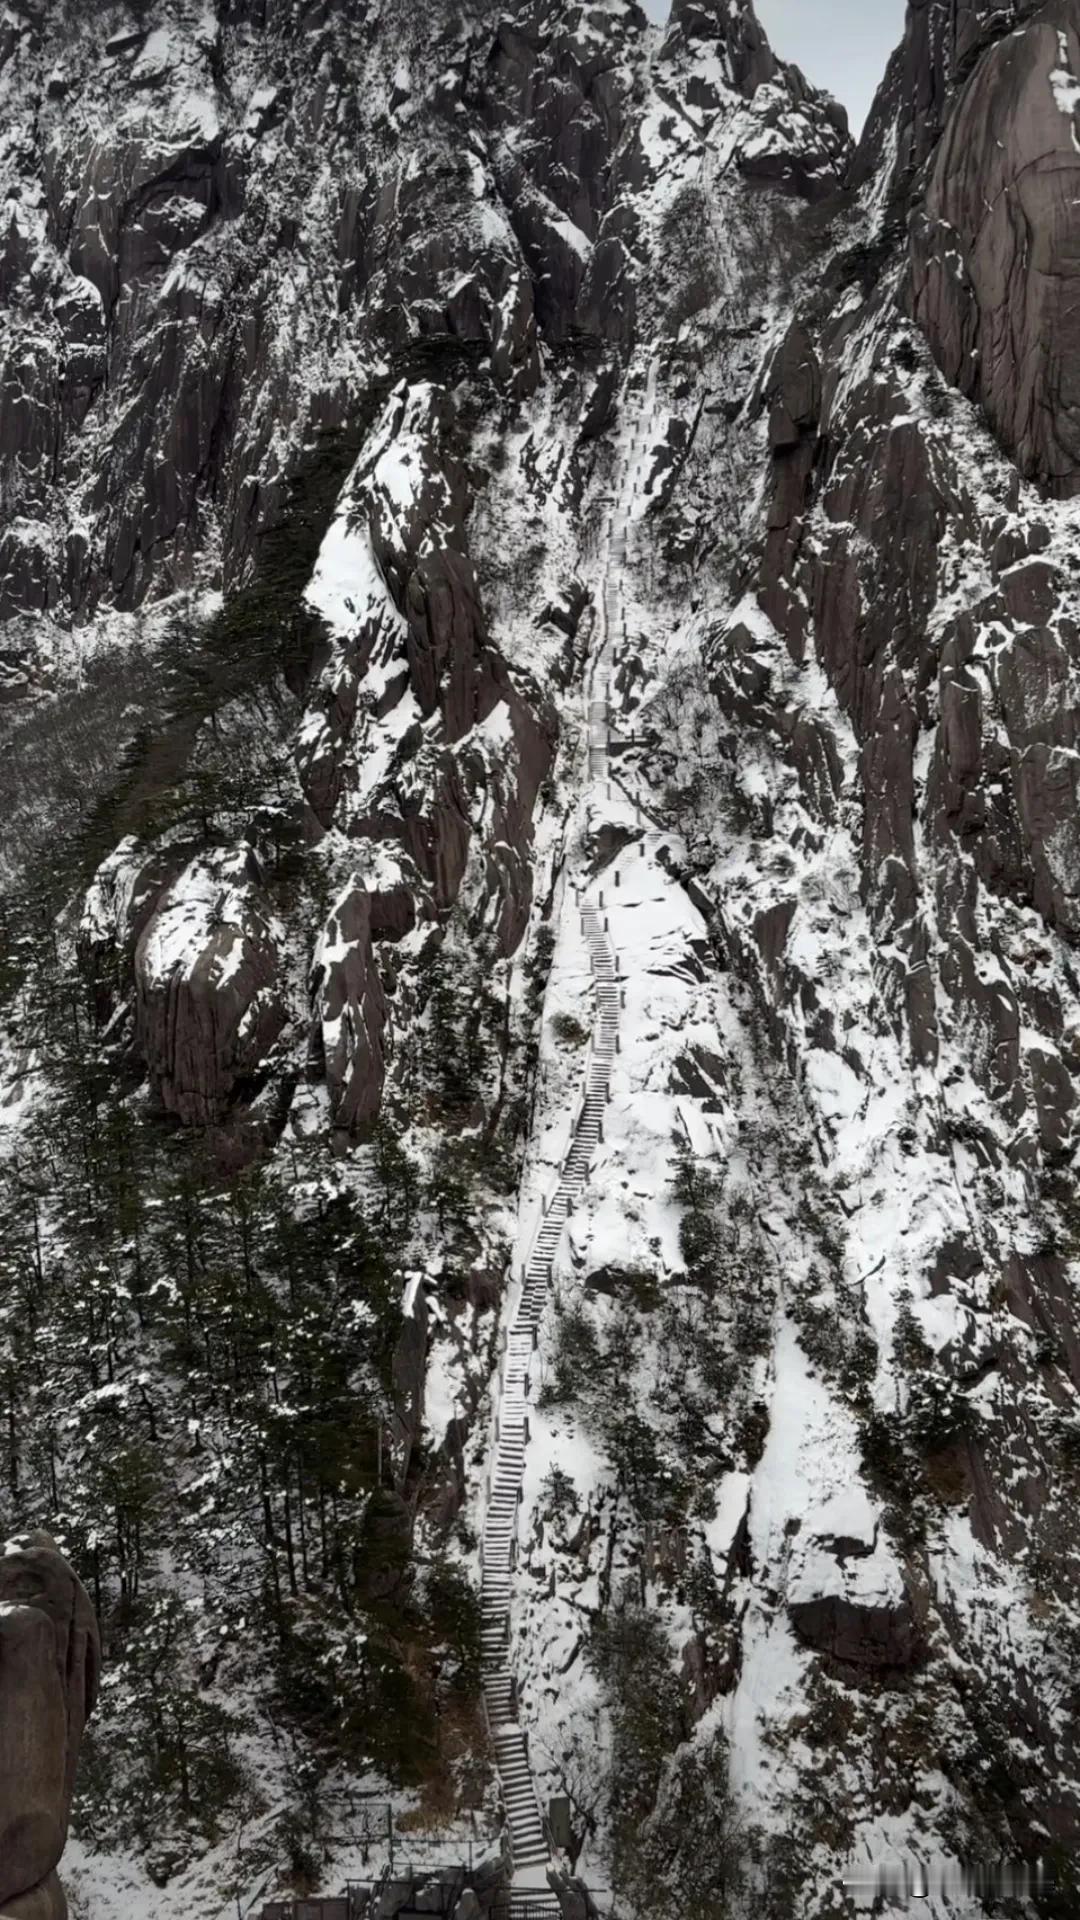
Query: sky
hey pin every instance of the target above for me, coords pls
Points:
(841, 44)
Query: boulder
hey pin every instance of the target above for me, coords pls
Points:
(858, 1633)
(50, 1658)
(846, 1594)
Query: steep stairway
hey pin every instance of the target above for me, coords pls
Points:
(527, 1831)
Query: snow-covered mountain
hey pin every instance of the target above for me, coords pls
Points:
(541, 874)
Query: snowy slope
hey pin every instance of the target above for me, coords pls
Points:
(458, 468)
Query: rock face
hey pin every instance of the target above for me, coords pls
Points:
(940, 47)
(996, 248)
(919, 421)
(50, 1659)
(45, 1902)
(846, 1593)
(356, 321)
(793, 136)
(205, 972)
(351, 1013)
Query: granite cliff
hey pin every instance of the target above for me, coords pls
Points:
(363, 367)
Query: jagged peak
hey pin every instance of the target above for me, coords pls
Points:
(733, 28)
(717, 56)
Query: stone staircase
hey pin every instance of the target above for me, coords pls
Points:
(527, 1831)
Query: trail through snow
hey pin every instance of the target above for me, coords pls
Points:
(528, 1832)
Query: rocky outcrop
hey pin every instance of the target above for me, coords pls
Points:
(124, 893)
(1035, 678)
(745, 56)
(912, 417)
(414, 721)
(791, 136)
(50, 1658)
(208, 1005)
(846, 1594)
(996, 242)
(557, 103)
(351, 1013)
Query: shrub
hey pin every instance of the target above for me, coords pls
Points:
(677, 1845)
(454, 1616)
(568, 1031)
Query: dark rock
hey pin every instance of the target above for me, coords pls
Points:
(940, 47)
(351, 1013)
(601, 407)
(847, 1595)
(127, 40)
(795, 386)
(1016, 543)
(207, 1006)
(43, 1902)
(385, 1549)
(1033, 680)
(858, 1635)
(446, 639)
(50, 1658)
(733, 30)
(997, 245)
(1031, 593)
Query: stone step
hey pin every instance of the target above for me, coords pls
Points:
(518, 1785)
